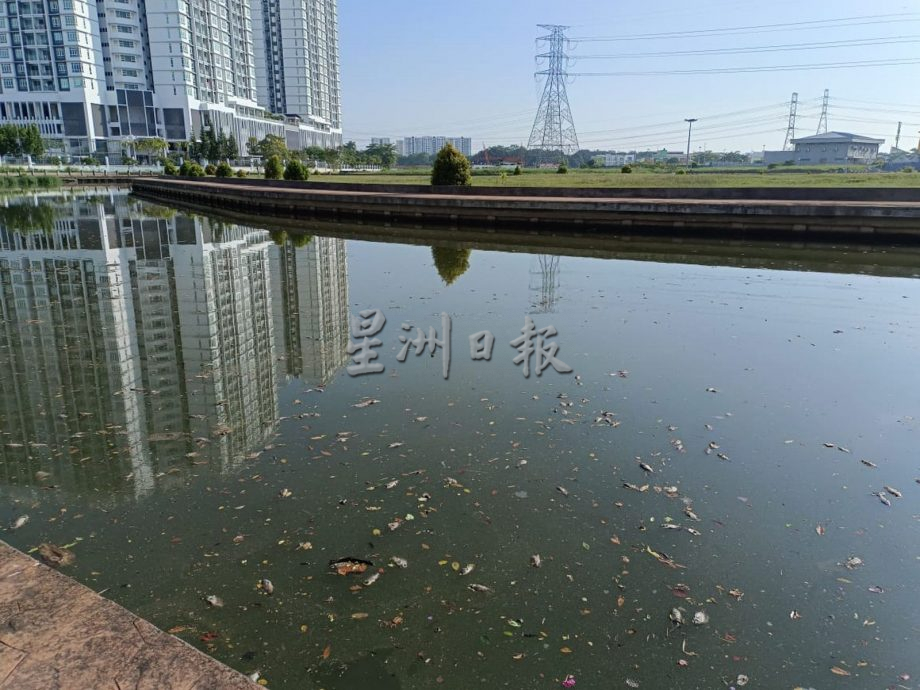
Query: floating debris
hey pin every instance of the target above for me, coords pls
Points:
(468, 568)
(56, 556)
(700, 618)
(853, 562)
(214, 601)
(478, 588)
(266, 586)
(399, 562)
(349, 566)
(536, 561)
(372, 579)
(285, 493)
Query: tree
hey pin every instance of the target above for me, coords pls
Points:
(169, 168)
(295, 170)
(223, 169)
(273, 168)
(154, 147)
(350, 154)
(272, 145)
(384, 153)
(332, 157)
(451, 168)
(450, 262)
(252, 146)
(31, 139)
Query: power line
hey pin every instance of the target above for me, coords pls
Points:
(783, 47)
(747, 70)
(758, 28)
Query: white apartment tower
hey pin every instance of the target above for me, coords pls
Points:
(95, 73)
(297, 59)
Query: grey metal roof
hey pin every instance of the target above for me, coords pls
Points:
(838, 138)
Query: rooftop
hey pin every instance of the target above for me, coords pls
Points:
(837, 138)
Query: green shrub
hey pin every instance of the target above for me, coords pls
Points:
(680, 171)
(295, 171)
(210, 169)
(169, 168)
(242, 173)
(908, 169)
(191, 169)
(626, 169)
(89, 160)
(273, 169)
(517, 170)
(773, 166)
(563, 169)
(451, 168)
(223, 169)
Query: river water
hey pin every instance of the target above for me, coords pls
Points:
(177, 411)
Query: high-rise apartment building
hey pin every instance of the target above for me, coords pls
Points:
(431, 145)
(297, 59)
(96, 75)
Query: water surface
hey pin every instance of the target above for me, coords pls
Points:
(170, 378)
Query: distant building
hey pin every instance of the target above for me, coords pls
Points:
(380, 141)
(835, 147)
(431, 145)
(615, 160)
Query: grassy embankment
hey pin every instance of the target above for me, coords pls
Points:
(615, 179)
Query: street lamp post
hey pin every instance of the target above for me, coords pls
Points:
(689, 121)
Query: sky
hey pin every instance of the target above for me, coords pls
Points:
(466, 68)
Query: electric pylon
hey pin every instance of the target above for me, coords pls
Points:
(822, 123)
(790, 130)
(897, 138)
(553, 127)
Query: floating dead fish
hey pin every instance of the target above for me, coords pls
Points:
(676, 616)
(372, 579)
(393, 526)
(468, 568)
(392, 484)
(671, 525)
(396, 444)
(367, 402)
(19, 522)
(894, 492)
(868, 463)
(794, 615)
(694, 532)
(266, 585)
(882, 497)
(690, 514)
(55, 556)
(645, 467)
(723, 456)
(349, 566)
(700, 618)
(41, 476)
(640, 489)
(285, 493)
(400, 562)
(875, 589)
(214, 601)
(853, 562)
(478, 588)
(670, 491)
(562, 490)
(711, 390)
(536, 561)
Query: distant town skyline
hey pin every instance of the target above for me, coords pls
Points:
(469, 69)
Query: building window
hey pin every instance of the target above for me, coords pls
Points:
(76, 67)
(7, 83)
(74, 51)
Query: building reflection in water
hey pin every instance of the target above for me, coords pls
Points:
(137, 341)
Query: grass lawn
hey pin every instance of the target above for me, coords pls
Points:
(614, 179)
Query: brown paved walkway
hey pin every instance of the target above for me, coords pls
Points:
(55, 634)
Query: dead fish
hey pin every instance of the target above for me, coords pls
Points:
(55, 556)
(690, 514)
(392, 484)
(671, 525)
(853, 562)
(366, 403)
(19, 522)
(400, 562)
(695, 533)
(723, 456)
(562, 490)
(700, 618)
(868, 463)
(645, 467)
(676, 616)
(536, 561)
(42, 476)
(285, 493)
(267, 585)
(468, 568)
(882, 497)
(372, 579)
(640, 489)
(478, 588)
(894, 492)
(214, 601)
(349, 566)
(254, 676)
(393, 526)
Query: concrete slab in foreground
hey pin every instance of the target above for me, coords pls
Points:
(55, 634)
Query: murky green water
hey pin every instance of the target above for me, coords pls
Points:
(167, 377)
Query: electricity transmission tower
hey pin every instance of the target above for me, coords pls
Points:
(553, 127)
(897, 139)
(822, 123)
(790, 130)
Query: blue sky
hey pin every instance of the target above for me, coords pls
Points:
(466, 68)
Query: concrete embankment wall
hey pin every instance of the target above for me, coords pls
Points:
(832, 214)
